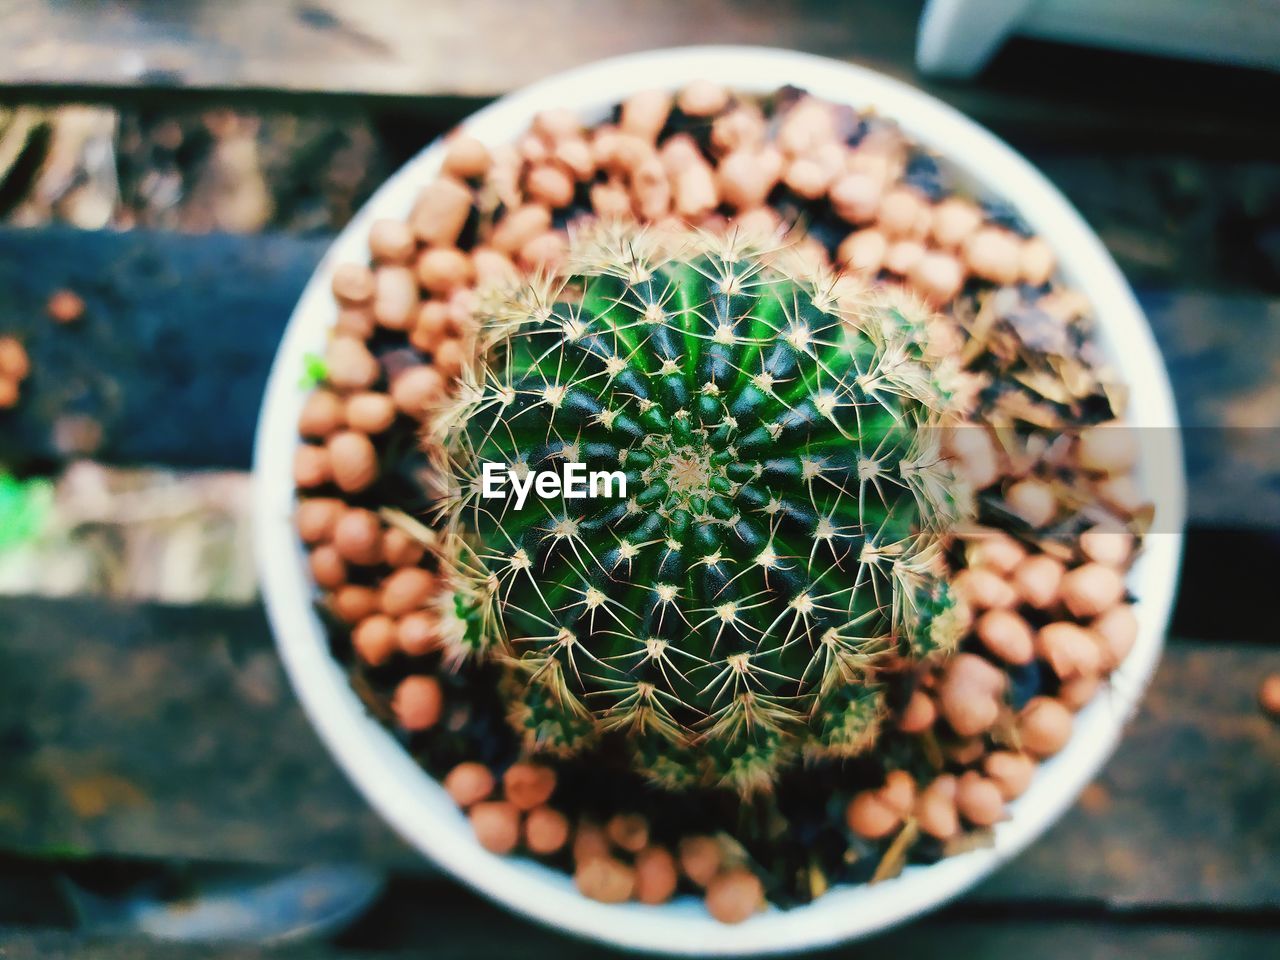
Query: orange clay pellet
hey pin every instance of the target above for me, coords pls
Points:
(629, 831)
(869, 815)
(700, 859)
(545, 830)
(993, 253)
(589, 842)
(702, 98)
(1044, 726)
(327, 568)
(519, 226)
(528, 785)
(1033, 501)
(899, 210)
(358, 537)
(355, 322)
(1091, 589)
(1269, 694)
(322, 414)
(416, 389)
(418, 632)
(1038, 580)
(996, 551)
(441, 212)
(937, 276)
(550, 184)
(696, 193)
(1071, 650)
(65, 306)
(1035, 262)
(1107, 546)
(644, 114)
(610, 201)
(1006, 635)
(466, 158)
(311, 466)
(448, 358)
(354, 460)
(919, 714)
(984, 590)
(954, 220)
(734, 895)
(899, 791)
(556, 123)
(863, 251)
(391, 241)
(497, 825)
(353, 283)
(856, 197)
(405, 590)
(656, 875)
(605, 879)
(395, 300)
(468, 783)
(374, 639)
(435, 322)
(14, 363)
(10, 393)
(442, 269)
(744, 179)
(979, 800)
(493, 267)
(1107, 448)
(350, 365)
(545, 251)
(399, 549)
(418, 703)
(1011, 772)
(1076, 693)
(936, 808)
(315, 518)
(651, 190)
(1117, 629)
(370, 412)
(352, 603)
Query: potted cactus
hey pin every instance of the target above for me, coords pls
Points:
(711, 496)
(778, 545)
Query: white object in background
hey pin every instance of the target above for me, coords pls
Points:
(418, 807)
(958, 37)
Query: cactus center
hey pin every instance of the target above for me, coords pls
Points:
(733, 612)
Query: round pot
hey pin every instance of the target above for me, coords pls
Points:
(415, 804)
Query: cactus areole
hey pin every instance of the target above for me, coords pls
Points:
(778, 547)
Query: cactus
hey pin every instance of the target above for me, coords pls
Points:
(779, 546)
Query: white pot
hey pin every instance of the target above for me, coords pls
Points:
(418, 808)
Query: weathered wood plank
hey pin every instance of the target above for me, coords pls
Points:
(409, 47)
(416, 48)
(462, 931)
(169, 362)
(161, 732)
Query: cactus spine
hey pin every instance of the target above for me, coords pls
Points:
(779, 545)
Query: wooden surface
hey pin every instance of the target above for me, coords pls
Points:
(469, 931)
(482, 48)
(144, 731)
(204, 316)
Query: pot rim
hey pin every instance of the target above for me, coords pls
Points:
(417, 806)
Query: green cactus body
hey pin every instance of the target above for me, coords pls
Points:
(778, 545)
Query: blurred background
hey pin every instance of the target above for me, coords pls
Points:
(171, 172)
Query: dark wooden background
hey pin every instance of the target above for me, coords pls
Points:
(135, 733)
